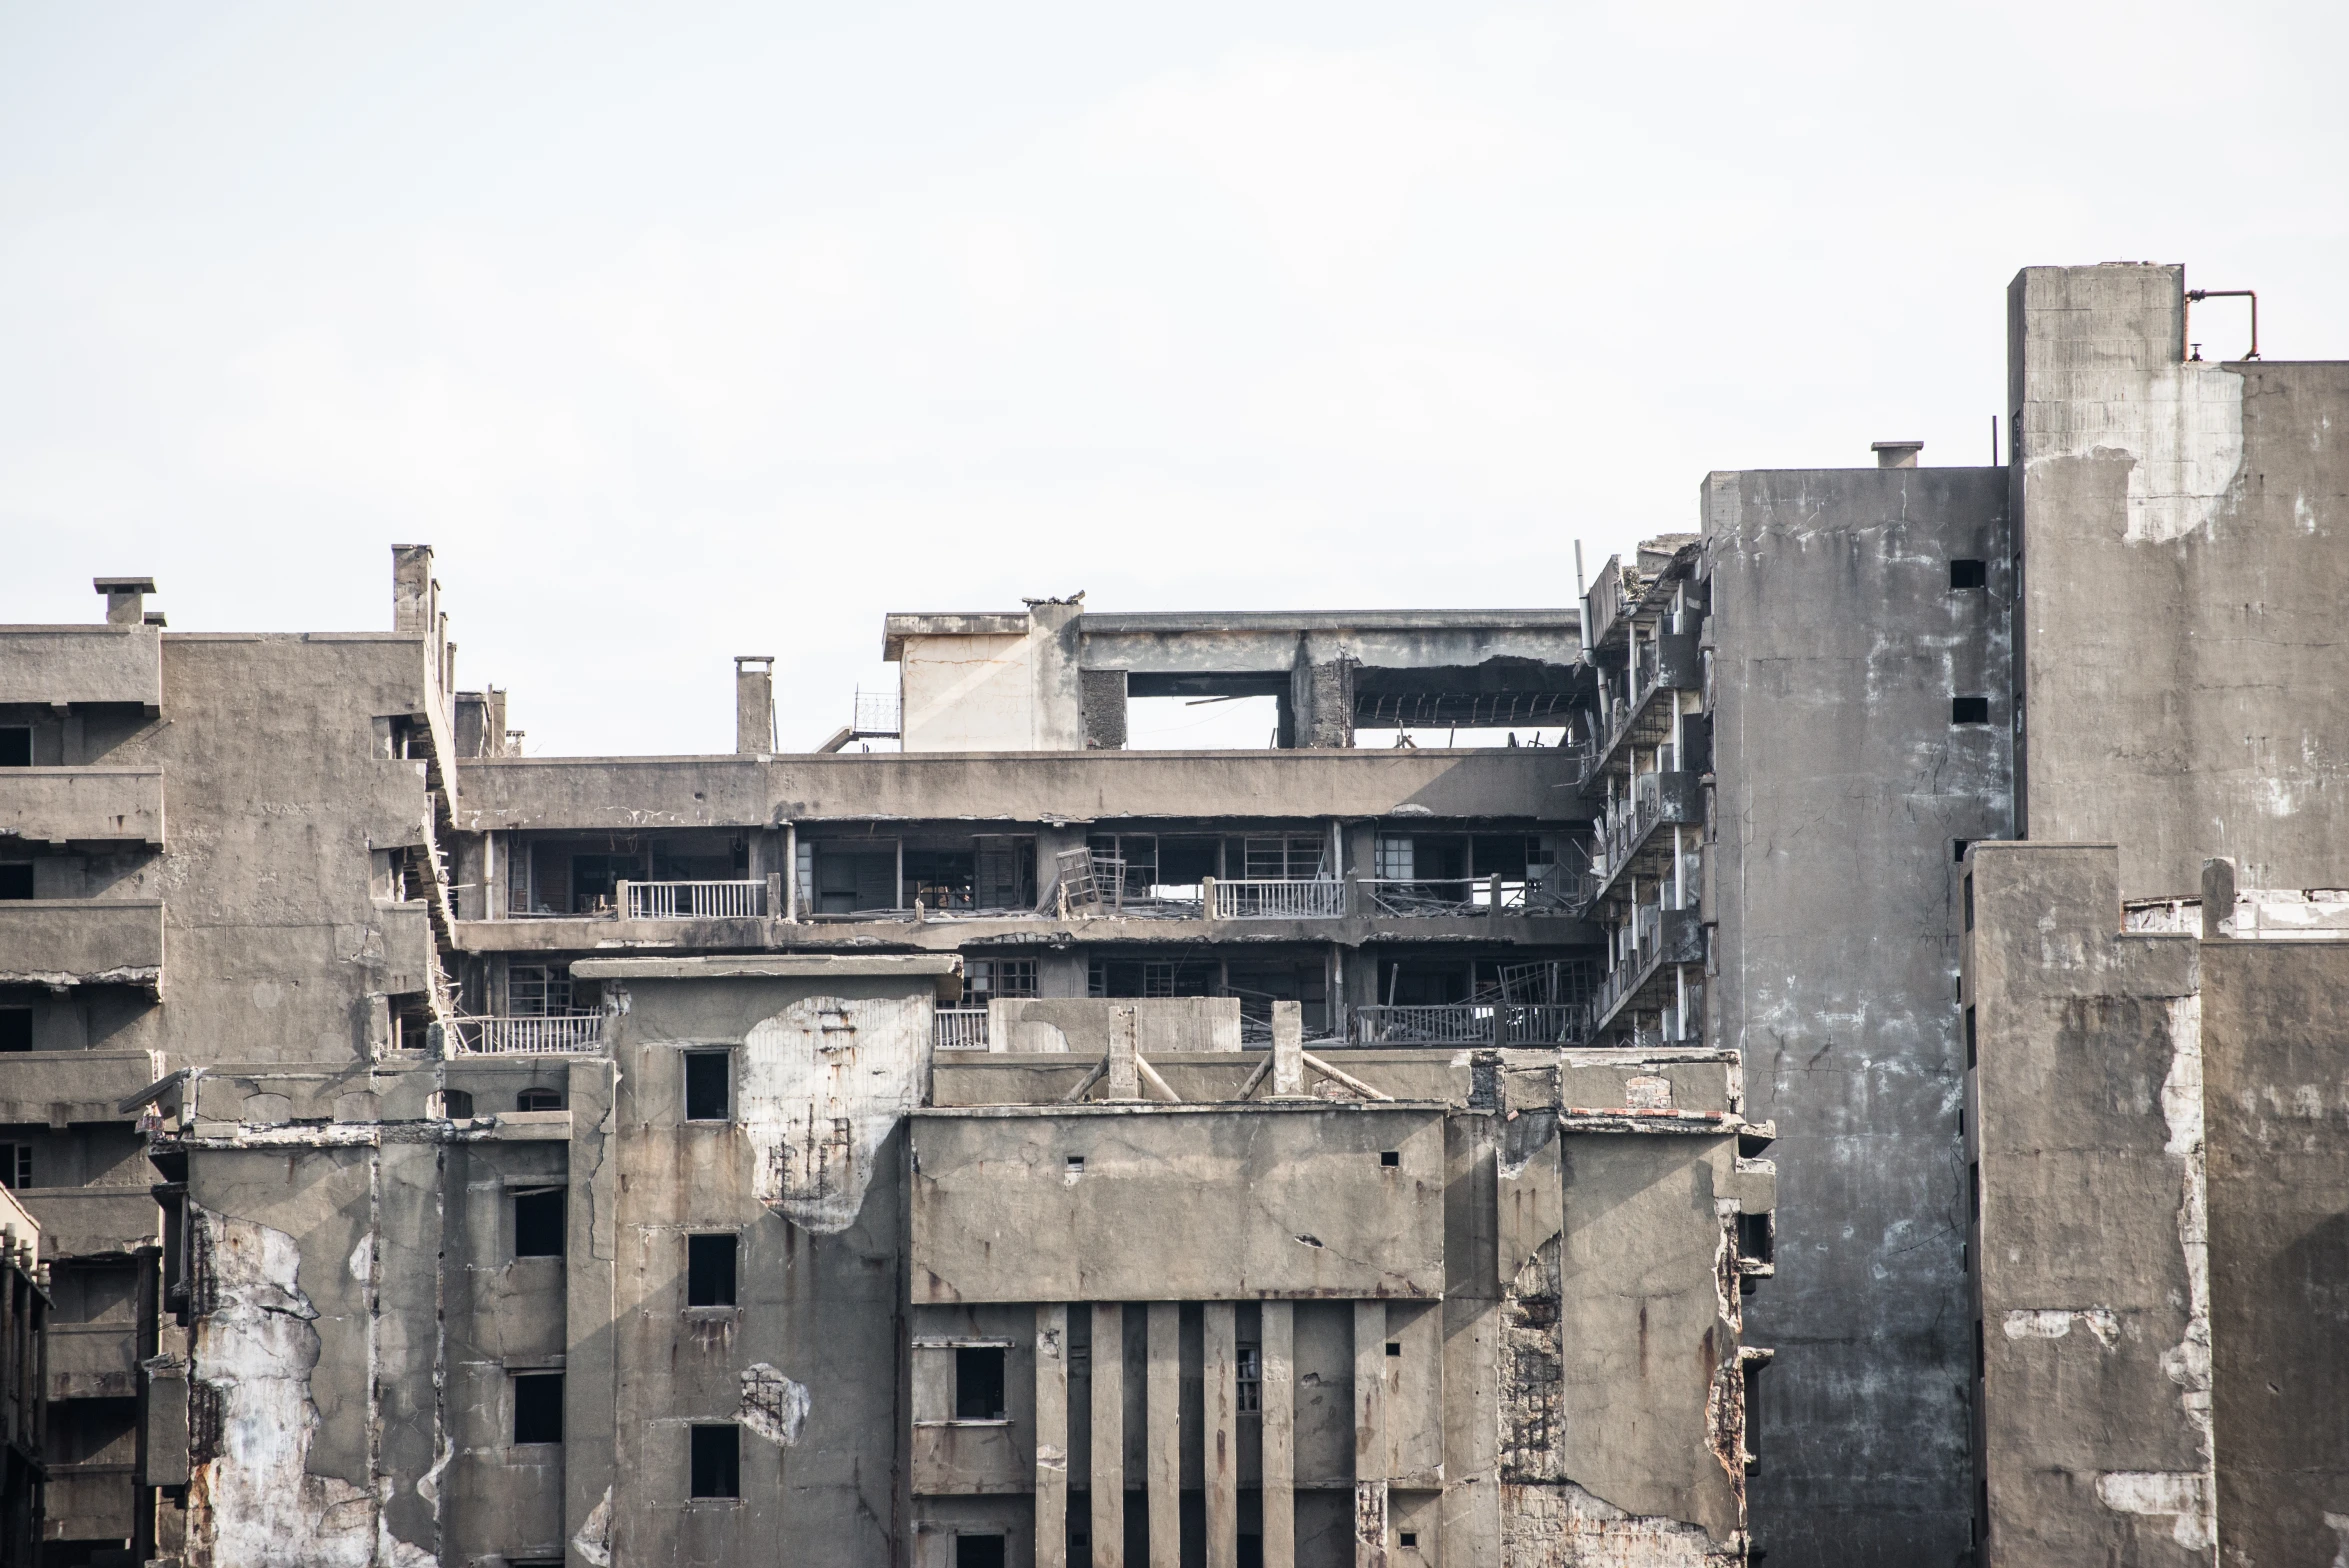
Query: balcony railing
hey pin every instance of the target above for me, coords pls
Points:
(695, 900)
(1671, 662)
(959, 1029)
(1293, 898)
(1420, 897)
(549, 1034)
(1661, 937)
(1656, 799)
(1471, 1023)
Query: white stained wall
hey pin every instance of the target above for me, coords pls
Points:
(969, 693)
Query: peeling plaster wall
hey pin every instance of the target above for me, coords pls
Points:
(2092, 1251)
(2181, 526)
(2275, 1041)
(1838, 643)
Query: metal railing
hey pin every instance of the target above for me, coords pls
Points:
(695, 900)
(1291, 898)
(548, 1034)
(1408, 897)
(1471, 1023)
(959, 1029)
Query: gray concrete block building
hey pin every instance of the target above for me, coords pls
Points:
(1019, 1147)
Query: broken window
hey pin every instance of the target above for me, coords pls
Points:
(940, 879)
(16, 1028)
(979, 1551)
(1392, 860)
(1129, 977)
(717, 1461)
(1003, 872)
(539, 1222)
(1289, 857)
(16, 746)
(1125, 863)
(709, 1270)
(538, 1407)
(16, 1165)
(595, 879)
(848, 879)
(1248, 1380)
(978, 1383)
(1969, 574)
(708, 1085)
(16, 879)
(538, 990)
(984, 978)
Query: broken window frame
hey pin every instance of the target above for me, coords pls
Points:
(986, 978)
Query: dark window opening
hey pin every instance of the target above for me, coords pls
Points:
(539, 1223)
(709, 1271)
(16, 1165)
(1974, 1188)
(1076, 1165)
(978, 1384)
(1969, 903)
(1394, 1347)
(1970, 1049)
(1248, 1380)
(456, 1104)
(1390, 1157)
(539, 1100)
(1969, 574)
(707, 1086)
(717, 1461)
(16, 879)
(1754, 1237)
(1407, 1538)
(1981, 1351)
(1957, 849)
(978, 1551)
(16, 1028)
(538, 1407)
(1251, 1551)
(1753, 1415)
(1969, 710)
(16, 747)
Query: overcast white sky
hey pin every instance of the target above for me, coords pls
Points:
(688, 331)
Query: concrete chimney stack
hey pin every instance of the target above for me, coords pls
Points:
(1896, 454)
(754, 704)
(415, 596)
(126, 598)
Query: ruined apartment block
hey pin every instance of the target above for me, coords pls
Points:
(980, 1141)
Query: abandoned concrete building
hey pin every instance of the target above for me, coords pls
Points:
(1015, 1147)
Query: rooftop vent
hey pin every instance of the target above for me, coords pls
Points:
(1896, 454)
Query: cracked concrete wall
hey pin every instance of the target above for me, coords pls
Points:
(2275, 1032)
(2091, 1250)
(1838, 643)
(2181, 529)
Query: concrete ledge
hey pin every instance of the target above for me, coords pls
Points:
(71, 1086)
(95, 663)
(63, 942)
(74, 805)
(94, 1221)
(583, 933)
(945, 969)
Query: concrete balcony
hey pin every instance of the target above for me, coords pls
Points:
(89, 1502)
(82, 805)
(62, 665)
(72, 1086)
(585, 934)
(1644, 981)
(61, 942)
(93, 1360)
(82, 1222)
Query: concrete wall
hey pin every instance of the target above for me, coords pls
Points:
(993, 691)
(2275, 1029)
(1838, 643)
(2086, 1118)
(2181, 530)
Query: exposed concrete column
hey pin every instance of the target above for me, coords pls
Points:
(754, 704)
(1109, 1435)
(1288, 1048)
(1220, 1443)
(1163, 1462)
(1278, 1356)
(1370, 1434)
(791, 871)
(1052, 1436)
(1125, 1073)
(415, 596)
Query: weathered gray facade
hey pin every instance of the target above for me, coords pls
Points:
(1019, 1148)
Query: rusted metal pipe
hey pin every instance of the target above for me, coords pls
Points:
(2195, 296)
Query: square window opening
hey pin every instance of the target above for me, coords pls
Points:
(16, 1028)
(538, 1407)
(1394, 1347)
(16, 746)
(717, 1461)
(978, 1551)
(16, 1165)
(1969, 574)
(709, 1270)
(1076, 1165)
(1408, 1538)
(978, 1383)
(1390, 1157)
(539, 1223)
(539, 1100)
(708, 1085)
(16, 880)
(1969, 710)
